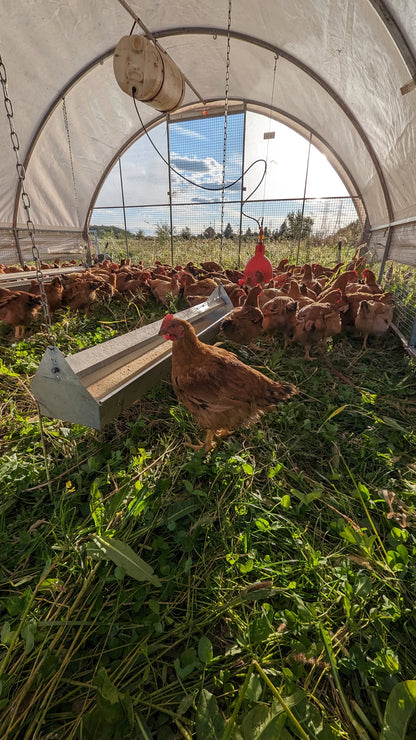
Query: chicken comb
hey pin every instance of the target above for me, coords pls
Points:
(168, 316)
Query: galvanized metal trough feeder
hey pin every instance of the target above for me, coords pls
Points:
(95, 385)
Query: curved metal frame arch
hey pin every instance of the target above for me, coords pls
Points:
(280, 114)
(126, 145)
(397, 35)
(385, 17)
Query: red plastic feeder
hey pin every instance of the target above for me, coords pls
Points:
(259, 268)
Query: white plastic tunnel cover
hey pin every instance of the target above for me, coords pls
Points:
(346, 73)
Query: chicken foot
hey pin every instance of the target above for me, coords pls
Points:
(209, 442)
(19, 331)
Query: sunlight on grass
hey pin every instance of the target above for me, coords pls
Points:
(277, 572)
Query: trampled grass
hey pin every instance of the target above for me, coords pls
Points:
(282, 598)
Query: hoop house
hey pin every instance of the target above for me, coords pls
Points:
(345, 78)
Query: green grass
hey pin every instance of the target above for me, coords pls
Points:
(286, 557)
(228, 252)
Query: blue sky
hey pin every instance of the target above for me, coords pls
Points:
(196, 151)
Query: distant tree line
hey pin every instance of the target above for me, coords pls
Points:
(295, 226)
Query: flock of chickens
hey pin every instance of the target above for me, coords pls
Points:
(311, 304)
(306, 304)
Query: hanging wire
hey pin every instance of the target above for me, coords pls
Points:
(276, 57)
(304, 197)
(21, 172)
(187, 179)
(226, 94)
(223, 185)
(259, 221)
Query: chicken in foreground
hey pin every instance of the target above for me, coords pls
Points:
(220, 391)
(18, 309)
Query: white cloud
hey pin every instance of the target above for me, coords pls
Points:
(145, 178)
(187, 132)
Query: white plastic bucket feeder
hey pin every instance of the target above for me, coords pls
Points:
(138, 63)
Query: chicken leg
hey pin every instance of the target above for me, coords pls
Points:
(209, 443)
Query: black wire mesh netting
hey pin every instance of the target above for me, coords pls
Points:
(401, 281)
(173, 187)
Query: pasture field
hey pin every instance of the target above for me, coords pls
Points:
(263, 590)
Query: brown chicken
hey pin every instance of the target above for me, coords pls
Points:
(340, 281)
(315, 323)
(354, 300)
(18, 309)
(79, 295)
(53, 291)
(233, 275)
(293, 290)
(163, 289)
(370, 284)
(337, 299)
(128, 281)
(236, 294)
(267, 294)
(219, 390)
(193, 287)
(244, 324)
(10, 269)
(279, 317)
(107, 288)
(310, 281)
(282, 266)
(211, 267)
(319, 271)
(373, 319)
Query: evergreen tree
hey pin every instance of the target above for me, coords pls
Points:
(209, 233)
(282, 231)
(186, 233)
(228, 231)
(298, 227)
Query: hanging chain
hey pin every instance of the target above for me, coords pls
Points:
(71, 159)
(21, 172)
(226, 93)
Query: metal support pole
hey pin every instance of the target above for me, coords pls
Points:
(412, 340)
(87, 241)
(170, 190)
(304, 196)
(18, 248)
(386, 253)
(124, 207)
(242, 188)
